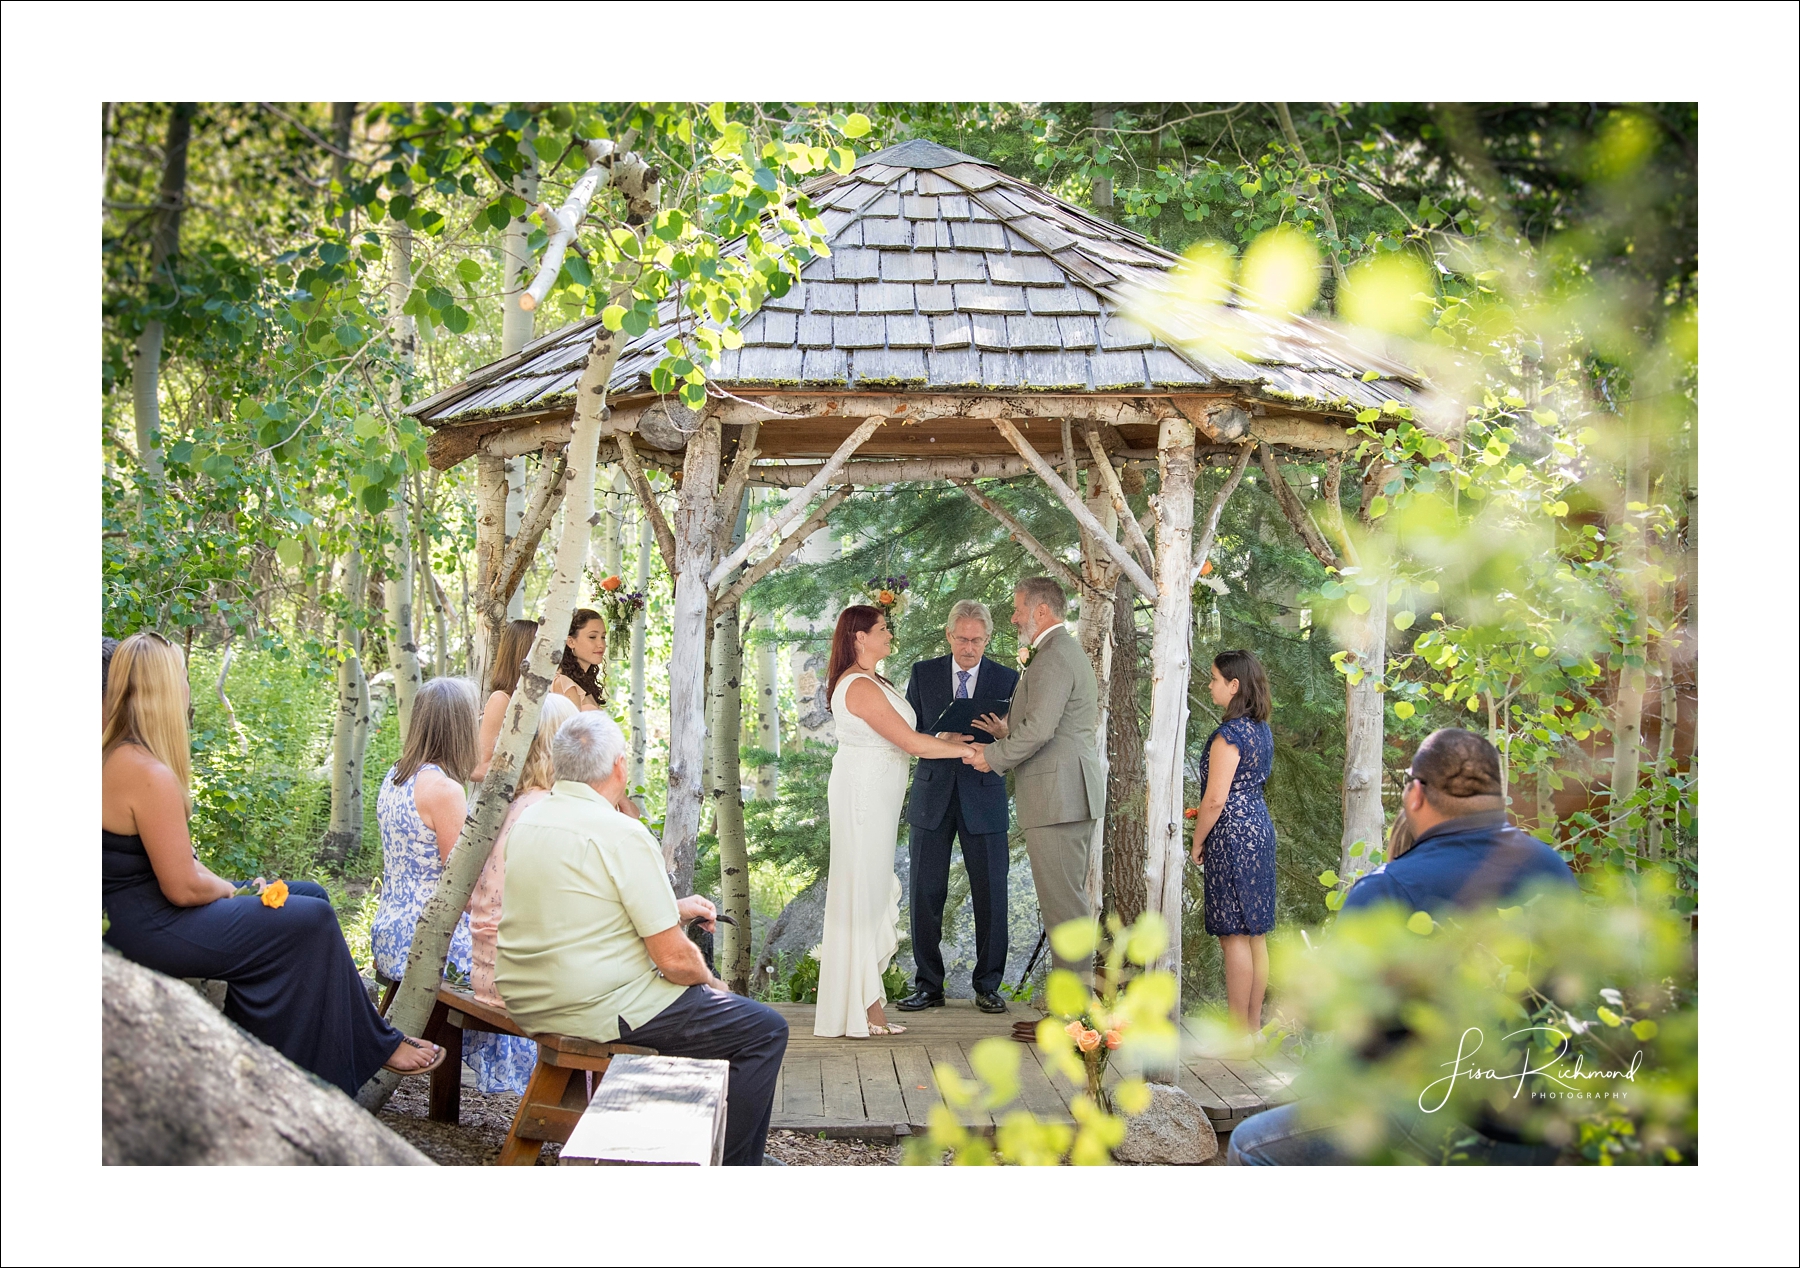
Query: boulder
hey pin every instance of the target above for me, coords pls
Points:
(182, 1085)
(1173, 1132)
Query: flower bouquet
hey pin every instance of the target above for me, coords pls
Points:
(617, 607)
(888, 594)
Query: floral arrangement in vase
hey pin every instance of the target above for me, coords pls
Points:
(888, 594)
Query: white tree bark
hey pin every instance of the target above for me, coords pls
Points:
(1095, 628)
(431, 937)
(515, 518)
(490, 555)
(779, 522)
(1628, 707)
(146, 364)
(399, 583)
(633, 178)
(696, 532)
(350, 726)
(1170, 653)
(640, 731)
(768, 706)
(727, 798)
(1365, 819)
(1078, 509)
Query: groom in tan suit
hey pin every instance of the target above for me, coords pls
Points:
(1048, 737)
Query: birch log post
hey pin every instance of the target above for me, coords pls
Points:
(696, 533)
(1065, 575)
(1125, 776)
(734, 593)
(647, 503)
(490, 553)
(768, 705)
(1170, 651)
(778, 523)
(400, 582)
(1078, 509)
(412, 1004)
(1115, 493)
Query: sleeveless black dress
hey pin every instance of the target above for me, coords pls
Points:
(292, 982)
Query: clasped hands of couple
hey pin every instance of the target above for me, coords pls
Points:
(993, 724)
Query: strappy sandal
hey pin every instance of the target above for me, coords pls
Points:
(892, 1028)
(438, 1054)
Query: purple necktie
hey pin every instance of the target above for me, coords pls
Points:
(962, 684)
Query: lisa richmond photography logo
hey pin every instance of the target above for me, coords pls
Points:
(1543, 1072)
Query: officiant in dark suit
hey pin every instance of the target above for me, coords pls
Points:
(951, 800)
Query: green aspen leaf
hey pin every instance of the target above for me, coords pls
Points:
(1357, 604)
(289, 552)
(1335, 899)
(842, 159)
(333, 252)
(1644, 1031)
(636, 322)
(995, 1062)
(347, 335)
(375, 499)
(716, 113)
(1132, 1096)
(1369, 376)
(1378, 506)
(731, 338)
(468, 271)
(1403, 709)
(1075, 939)
(1064, 994)
(1328, 878)
(1420, 922)
(693, 395)
(661, 381)
(613, 316)
(1404, 620)
(1474, 704)
(367, 426)
(439, 298)
(1544, 417)
(458, 321)
(1367, 415)
(1147, 938)
(856, 125)
(497, 217)
(1608, 1016)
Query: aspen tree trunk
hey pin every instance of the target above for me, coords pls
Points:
(727, 798)
(434, 592)
(1665, 743)
(413, 1001)
(1365, 819)
(1126, 790)
(146, 364)
(490, 550)
(1628, 711)
(1170, 652)
(399, 585)
(1095, 627)
(515, 516)
(640, 732)
(768, 706)
(349, 729)
(612, 527)
(696, 552)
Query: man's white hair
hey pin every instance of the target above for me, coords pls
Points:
(587, 748)
(970, 610)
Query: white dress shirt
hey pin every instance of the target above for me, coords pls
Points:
(955, 680)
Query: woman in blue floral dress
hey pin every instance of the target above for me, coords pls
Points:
(421, 809)
(1234, 836)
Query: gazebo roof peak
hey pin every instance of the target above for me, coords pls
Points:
(919, 155)
(949, 278)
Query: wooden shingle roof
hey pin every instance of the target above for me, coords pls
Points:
(948, 276)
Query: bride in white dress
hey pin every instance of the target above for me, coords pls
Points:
(875, 735)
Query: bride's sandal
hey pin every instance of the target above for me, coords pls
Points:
(892, 1028)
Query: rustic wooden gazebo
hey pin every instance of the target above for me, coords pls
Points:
(966, 326)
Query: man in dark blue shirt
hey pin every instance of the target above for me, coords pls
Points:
(1465, 855)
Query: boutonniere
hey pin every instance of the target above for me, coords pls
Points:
(1024, 655)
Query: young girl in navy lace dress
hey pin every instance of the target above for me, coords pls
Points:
(1234, 836)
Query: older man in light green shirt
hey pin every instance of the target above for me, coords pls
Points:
(593, 943)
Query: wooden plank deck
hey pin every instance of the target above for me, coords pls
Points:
(882, 1088)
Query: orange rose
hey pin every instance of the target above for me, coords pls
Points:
(885, 596)
(1113, 1038)
(1205, 567)
(275, 894)
(1073, 1029)
(1192, 812)
(1088, 1040)
(612, 583)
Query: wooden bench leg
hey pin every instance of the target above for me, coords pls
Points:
(548, 1085)
(446, 1080)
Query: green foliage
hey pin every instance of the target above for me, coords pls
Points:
(1130, 1014)
(1569, 1019)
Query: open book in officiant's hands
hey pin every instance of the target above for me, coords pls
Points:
(961, 716)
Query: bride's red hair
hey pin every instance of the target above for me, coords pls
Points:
(858, 618)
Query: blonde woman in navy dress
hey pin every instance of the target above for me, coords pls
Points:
(1234, 836)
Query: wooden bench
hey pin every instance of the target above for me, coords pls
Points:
(653, 1111)
(553, 1100)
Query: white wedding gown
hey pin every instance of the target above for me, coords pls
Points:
(862, 894)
